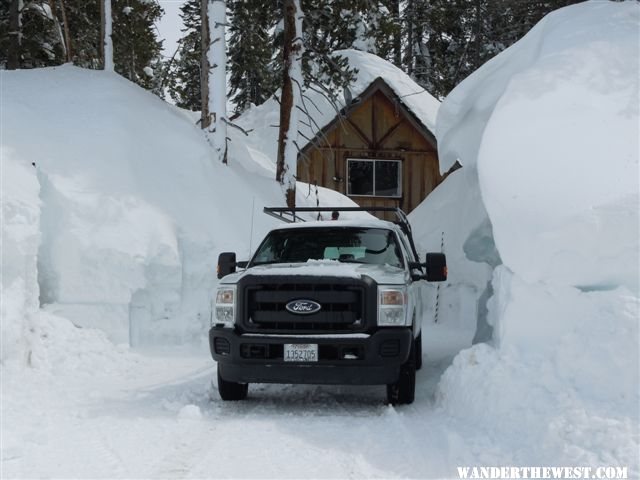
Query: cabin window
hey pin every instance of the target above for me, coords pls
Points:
(374, 178)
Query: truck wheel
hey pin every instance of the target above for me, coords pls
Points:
(403, 390)
(419, 351)
(231, 390)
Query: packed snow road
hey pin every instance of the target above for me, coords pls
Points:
(157, 414)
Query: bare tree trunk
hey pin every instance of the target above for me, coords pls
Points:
(102, 30)
(13, 58)
(287, 102)
(67, 35)
(478, 37)
(205, 118)
(217, 56)
(409, 52)
(107, 42)
(397, 36)
(286, 98)
(54, 13)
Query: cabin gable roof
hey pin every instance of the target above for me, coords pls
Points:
(377, 85)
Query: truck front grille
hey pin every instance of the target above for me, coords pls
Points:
(343, 307)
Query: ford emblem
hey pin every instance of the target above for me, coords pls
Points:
(303, 307)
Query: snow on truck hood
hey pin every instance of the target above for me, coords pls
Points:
(382, 274)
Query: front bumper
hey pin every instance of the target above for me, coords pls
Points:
(342, 359)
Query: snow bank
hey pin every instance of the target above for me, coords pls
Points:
(134, 208)
(552, 125)
(99, 250)
(549, 128)
(562, 386)
(19, 191)
(129, 202)
(452, 219)
(31, 336)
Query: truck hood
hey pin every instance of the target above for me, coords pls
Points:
(381, 274)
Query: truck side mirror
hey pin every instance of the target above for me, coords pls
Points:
(436, 267)
(226, 264)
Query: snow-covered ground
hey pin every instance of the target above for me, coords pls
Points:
(116, 229)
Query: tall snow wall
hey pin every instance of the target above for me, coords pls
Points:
(124, 213)
(549, 129)
(19, 193)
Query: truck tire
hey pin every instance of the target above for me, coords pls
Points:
(231, 390)
(419, 351)
(402, 392)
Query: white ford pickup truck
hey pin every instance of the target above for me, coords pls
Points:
(324, 302)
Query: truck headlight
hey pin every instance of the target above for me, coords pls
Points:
(225, 308)
(392, 306)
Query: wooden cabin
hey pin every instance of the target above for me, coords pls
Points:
(376, 151)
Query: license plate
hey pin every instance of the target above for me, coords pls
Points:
(298, 352)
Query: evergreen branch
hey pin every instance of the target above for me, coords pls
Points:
(170, 64)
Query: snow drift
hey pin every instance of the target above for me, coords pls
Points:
(19, 192)
(549, 129)
(125, 210)
(452, 219)
(115, 209)
(552, 126)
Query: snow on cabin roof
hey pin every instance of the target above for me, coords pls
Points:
(371, 67)
(262, 121)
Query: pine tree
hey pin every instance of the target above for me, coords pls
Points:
(184, 74)
(29, 35)
(82, 21)
(253, 78)
(384, 28)
(446, 40)
(331, 25)
(136, 48)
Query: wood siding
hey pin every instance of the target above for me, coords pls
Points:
(377, 128)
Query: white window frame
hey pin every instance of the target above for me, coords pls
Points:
(374, 160)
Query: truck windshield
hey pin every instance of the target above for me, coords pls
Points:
(347, 244)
